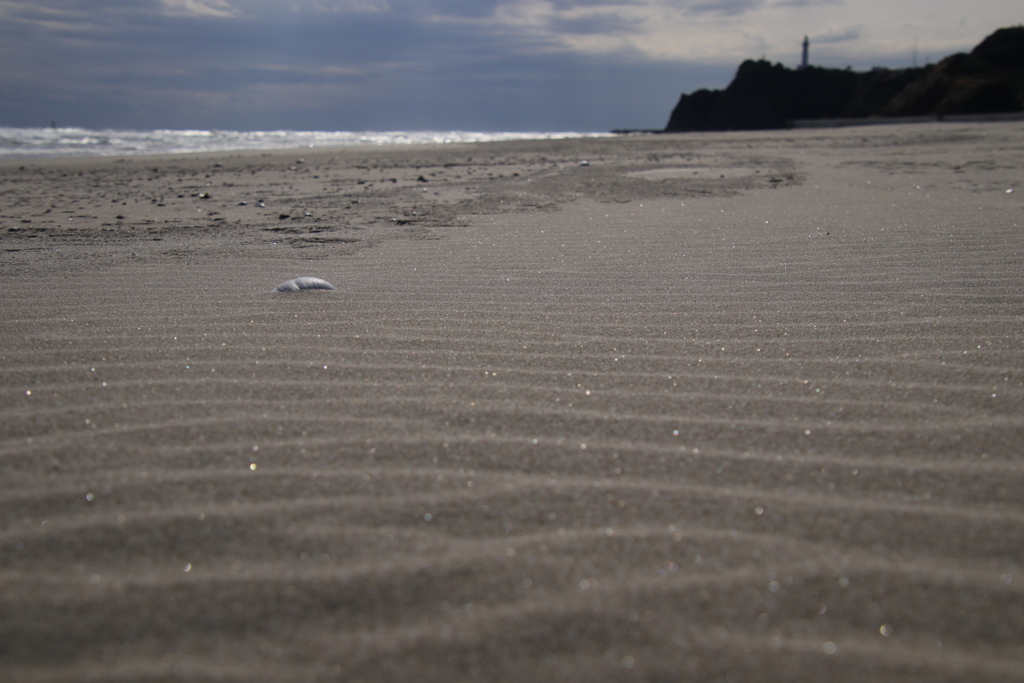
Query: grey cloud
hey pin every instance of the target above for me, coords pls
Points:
(71, 17)
(721, 7)
(806, 3)
(838, 35)
(595, 24)
(464, 9)
(564, 5)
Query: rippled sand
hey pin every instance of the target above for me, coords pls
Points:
(563, 422)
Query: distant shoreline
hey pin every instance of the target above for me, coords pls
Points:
(853, 121)
(895, 120)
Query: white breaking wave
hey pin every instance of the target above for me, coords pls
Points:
(69, 142)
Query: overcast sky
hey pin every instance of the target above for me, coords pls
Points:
(488, 65)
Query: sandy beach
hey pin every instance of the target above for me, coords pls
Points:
(709, 407)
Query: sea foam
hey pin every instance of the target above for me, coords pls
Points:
(68, 142)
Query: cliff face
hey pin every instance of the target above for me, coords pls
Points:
(765, 95)
(988, 80)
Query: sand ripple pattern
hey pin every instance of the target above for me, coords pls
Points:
(651, 441)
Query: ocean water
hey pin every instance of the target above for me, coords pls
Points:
(77, 142)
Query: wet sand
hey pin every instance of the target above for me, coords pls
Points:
(719, 407)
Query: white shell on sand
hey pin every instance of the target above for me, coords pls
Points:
(303, 283)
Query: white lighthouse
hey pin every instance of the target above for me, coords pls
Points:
(807, 49)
